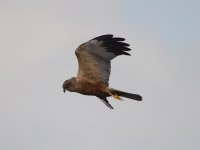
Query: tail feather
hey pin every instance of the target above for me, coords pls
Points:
(125, 94)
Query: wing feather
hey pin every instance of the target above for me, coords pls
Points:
(95, 55)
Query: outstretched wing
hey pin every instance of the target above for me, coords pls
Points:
(106, 102)
(95, 55)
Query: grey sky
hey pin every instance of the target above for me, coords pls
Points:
(38, 39)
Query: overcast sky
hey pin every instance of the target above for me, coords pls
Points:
(38, 40)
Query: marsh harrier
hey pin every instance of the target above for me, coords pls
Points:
(94, 59)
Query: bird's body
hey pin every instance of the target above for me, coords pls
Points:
(94, 59)
(89, 88)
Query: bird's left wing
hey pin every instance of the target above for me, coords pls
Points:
(94, 57)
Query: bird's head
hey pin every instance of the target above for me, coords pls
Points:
(69, 85)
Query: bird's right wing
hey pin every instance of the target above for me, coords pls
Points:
(94, 57)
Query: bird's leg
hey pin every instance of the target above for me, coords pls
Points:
(115, 96)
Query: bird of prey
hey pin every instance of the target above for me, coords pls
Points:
(94, 59)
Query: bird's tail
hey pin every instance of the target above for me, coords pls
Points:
(116, 93)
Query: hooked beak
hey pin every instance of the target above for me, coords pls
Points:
(64, 90)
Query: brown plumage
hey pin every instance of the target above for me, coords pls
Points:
(94, 59)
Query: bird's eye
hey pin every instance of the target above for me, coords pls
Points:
(67, 84)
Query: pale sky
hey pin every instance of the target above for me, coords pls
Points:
(38, 40)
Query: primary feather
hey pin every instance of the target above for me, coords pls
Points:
(95, 55)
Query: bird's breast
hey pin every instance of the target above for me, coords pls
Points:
(88, 88)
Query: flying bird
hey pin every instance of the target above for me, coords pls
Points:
(94, 59)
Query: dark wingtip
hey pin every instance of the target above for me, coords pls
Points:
(103, 37)
(125, 53)
(139, 98)
(105, 101)
(114, 44)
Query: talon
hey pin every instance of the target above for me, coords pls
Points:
(116, 96)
